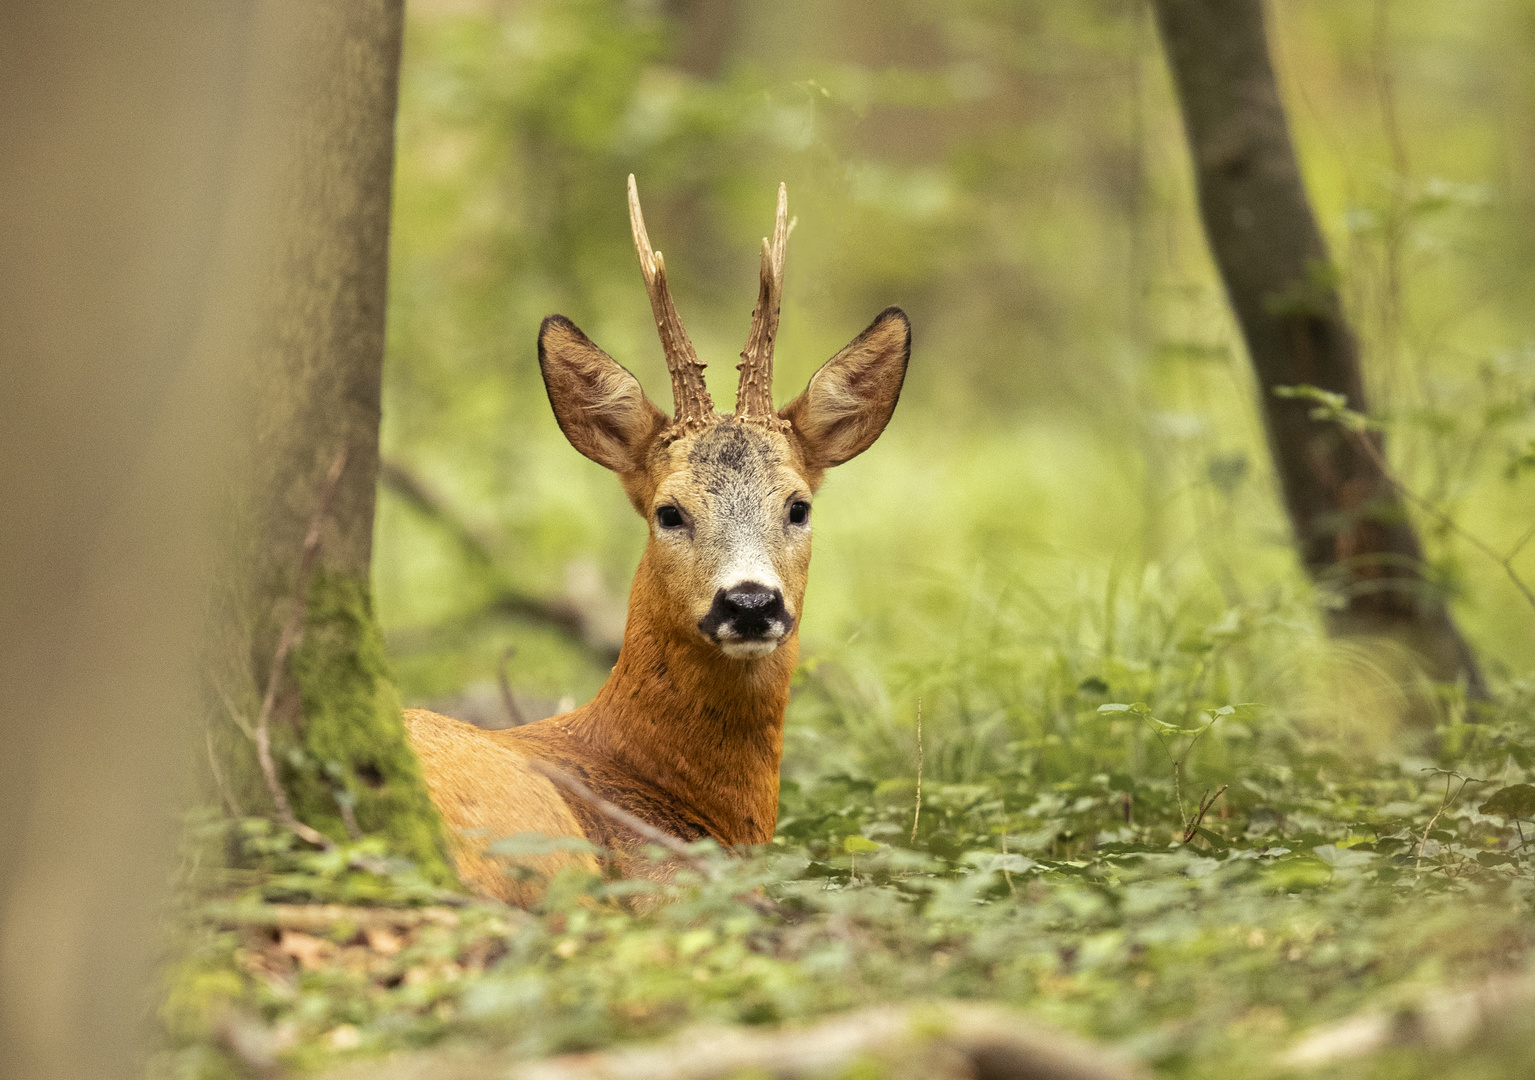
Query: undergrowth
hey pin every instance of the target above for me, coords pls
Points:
(1118, 836)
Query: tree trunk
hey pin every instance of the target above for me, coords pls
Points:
(325, 86)
(1355, 536)
(113, 373)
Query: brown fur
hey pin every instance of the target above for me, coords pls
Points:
(682, 735)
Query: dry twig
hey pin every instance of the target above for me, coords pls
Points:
(917, 815)
(219, 780)
(618, 814)
(1372, 451)
(292, 634)
(1205, 802)
(559, 777)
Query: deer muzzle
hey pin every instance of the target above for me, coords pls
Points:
(748, 620)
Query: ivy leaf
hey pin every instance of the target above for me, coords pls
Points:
(1514, 801)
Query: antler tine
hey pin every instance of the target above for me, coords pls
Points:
(694, 407)
(754, 395)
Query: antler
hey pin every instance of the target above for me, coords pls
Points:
(754, 395)
(693, 405)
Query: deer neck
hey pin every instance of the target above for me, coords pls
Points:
(703, 727)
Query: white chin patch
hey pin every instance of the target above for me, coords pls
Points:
(749, 650)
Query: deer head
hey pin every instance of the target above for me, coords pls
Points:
(728, 498)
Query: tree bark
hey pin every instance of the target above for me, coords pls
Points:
(1353, 530)
(324, 88)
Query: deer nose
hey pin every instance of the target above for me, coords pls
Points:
(747, 610)
(751, 596)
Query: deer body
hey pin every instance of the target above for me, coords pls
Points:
(687, 732)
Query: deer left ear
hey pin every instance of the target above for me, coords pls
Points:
(850, 399)
(600, 406)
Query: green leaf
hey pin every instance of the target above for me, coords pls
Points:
(1298, 873)
(1514, 801)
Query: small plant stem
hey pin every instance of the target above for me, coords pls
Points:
(1178, 789)
(1206, 801)
(917, 815)
(1443, 804)
(1449, 522)
(348, 815)
(1006, 873)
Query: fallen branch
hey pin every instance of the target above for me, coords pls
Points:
(1443, 1020)
(325, 917)
(910, 1042)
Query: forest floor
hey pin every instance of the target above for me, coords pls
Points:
(1203, 886)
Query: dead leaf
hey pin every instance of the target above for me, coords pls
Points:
(311, 952)
(381, 939)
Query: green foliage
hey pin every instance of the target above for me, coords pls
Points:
(1049, 870)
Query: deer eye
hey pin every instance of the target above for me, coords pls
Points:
(799, 512)
(669, 517)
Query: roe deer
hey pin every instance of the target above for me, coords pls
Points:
(687, 732)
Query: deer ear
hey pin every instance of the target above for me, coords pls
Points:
(600, 406)
(850, 399)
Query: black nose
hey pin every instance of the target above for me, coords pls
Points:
(751, 596)
(748, 610)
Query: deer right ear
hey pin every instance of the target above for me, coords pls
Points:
(599, 406)
(850, 399)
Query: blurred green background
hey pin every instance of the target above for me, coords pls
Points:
(1076, 468)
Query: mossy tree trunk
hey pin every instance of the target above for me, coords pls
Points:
(327, 79)
(1355, 535)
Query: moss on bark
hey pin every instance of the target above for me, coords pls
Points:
(352, 746)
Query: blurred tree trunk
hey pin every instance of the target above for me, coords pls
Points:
(115, 366)
(1354, 533)
(325, 81)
